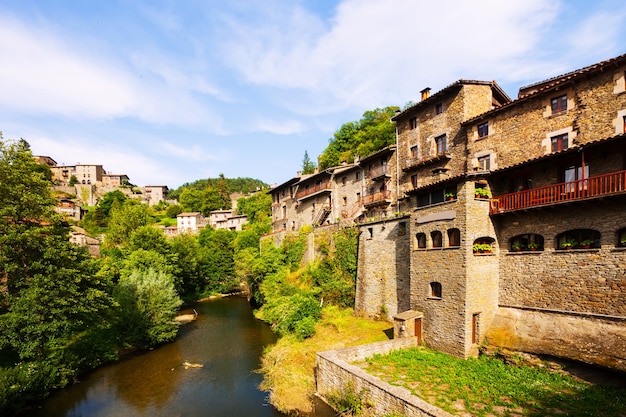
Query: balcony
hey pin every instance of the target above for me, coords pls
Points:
(585, 189)
(315, 189)
(377, 199)
(413, 163)
(380, 172)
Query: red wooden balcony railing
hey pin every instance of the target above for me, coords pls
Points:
(376, 198)
(326, 185)
(592, 187)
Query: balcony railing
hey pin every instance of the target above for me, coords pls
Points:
(326, 185)
(413, 163)
(584, 189)
(377, 198)
(379, 172)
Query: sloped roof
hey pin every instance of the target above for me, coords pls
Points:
(457, 84)
(536, 89)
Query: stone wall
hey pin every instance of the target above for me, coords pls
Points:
(335, 374)
(383, 269)
(580, 280)
(582, 337)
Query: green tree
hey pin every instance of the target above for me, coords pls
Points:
(216, 258)
(124, 220)
(308, 166)
(173, 211)
(373, 132)
(257, 208)
(148, 305)
(106, 202)
(185, 247)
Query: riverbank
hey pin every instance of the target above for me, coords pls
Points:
(288, 367)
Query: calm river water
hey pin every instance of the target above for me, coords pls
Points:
(226, 339)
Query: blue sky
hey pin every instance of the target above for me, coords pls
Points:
(169, 91)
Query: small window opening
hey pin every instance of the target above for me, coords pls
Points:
(435, 289)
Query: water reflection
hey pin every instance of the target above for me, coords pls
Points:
(226, 339)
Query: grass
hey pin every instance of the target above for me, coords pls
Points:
(288, 366)
(488, 387)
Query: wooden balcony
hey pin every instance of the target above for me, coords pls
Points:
(566, 192)
(413, 163)
(379, 172)
(314, 189)
(376, 199)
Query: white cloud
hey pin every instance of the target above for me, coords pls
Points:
(279, 128)
(375, 51)
(43, 73)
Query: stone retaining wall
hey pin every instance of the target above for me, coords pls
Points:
(335, 374)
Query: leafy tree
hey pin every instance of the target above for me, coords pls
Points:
(173, 210)
(257, 208)
(73, 180)
(373, 132)
(148, 304)
(216, 257)
(308, 166)
(106, 203)
(185, 247)
(125, 220)
(149, 238)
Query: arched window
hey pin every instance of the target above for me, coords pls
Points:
(435, 289)
(621, 236)
(437, 239)
(454, 237)
(527, 242)
(420, 239)
(578, 239)
(483, 245)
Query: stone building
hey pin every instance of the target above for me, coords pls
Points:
(154, 194)
(191, 222)
(498, 220)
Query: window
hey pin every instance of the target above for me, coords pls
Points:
(358, 196)
(454, 237)
(475, 327)
(578, 239)
(621, 238)
(484, 163)
(436, 238)
(413, 151)
(420, 239)
(343, 180)
(345, 201)
(438, 108)
(371, 231)
(483, 129)
(434, 197)
(435, 289)
(575, 174)
(559, 143)
(358, 175)
(526, 242)
(402, 228)
(559, 104)
(414, 181)
(483, 245)
(413, 123)
(440, 142)
(624, 124)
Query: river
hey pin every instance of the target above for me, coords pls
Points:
(225, 339)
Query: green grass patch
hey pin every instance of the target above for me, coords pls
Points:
(486, 386)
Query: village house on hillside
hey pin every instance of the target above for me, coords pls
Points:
(491, 218)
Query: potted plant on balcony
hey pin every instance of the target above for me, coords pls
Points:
(481, 193)
(586, 243)
(517, 247)
(449, 196)
(533, 246)
(569, 243)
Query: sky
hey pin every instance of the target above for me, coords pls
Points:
(172, 91)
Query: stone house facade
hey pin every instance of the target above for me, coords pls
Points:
(191, 222)
(488, 193)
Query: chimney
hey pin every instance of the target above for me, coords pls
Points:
(425, 93)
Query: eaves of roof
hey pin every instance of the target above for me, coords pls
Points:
(436, 184)
(384, 151)
(551, 84)
(568, 151)
(441, 93)
(284, 184)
